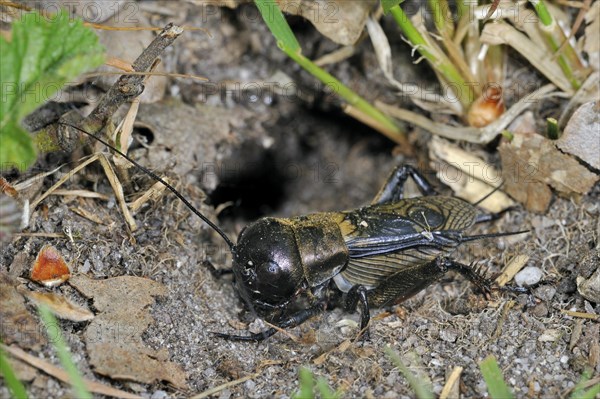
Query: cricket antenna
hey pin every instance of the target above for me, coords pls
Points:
(489, 194)
(491, 235)
(159, 179)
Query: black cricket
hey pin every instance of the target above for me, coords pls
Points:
(378, 255)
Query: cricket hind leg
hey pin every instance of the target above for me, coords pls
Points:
(393, 188)
(476, 276)
(357, 296)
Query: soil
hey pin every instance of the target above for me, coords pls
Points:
(282, 156)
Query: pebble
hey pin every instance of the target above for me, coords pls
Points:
(159, 395)
(540, 310)
(449, 334)
(545, 293)
(550, 335)
(590, 288)
(250, 385)
(529, 276)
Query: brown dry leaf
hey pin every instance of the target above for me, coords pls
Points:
(581, 136)
(469, 176)
(114, 337)
(341, 21)
(531, 163)
(60, 306)
(18, 325)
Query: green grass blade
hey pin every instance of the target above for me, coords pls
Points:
(276, 22)
(591, 393)
(568, 60)
(12, 382)
(422, 391)
(289, 45)
(347, 94)
(307, 383)
(388, 4)
(438, 60)
(63, 353)
(325, 391)
(494, 379)
(578, 391)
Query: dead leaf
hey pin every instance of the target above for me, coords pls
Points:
(18, 325)
(341, 21)
(49, 268)
(591, 44)
(531, 163)
(114, 337)
(60, 306)
(469, 176)
(581, 136)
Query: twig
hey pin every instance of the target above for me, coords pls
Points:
(125, 89)
(283, 331)
(513, 267)
(221, 387)
(62, 375)
(81, 193)
(451, 383)
(473, 135)
(66, 177)
(45, 235)
(153, 193)
(118, 189)
(583, 315)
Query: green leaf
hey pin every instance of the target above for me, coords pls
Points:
(388, 4)
(278, 25)
(16, 147)
(43, 54)
(494, 379)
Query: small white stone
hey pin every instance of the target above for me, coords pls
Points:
(550, 335)
(159, 395)
(529, 276)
